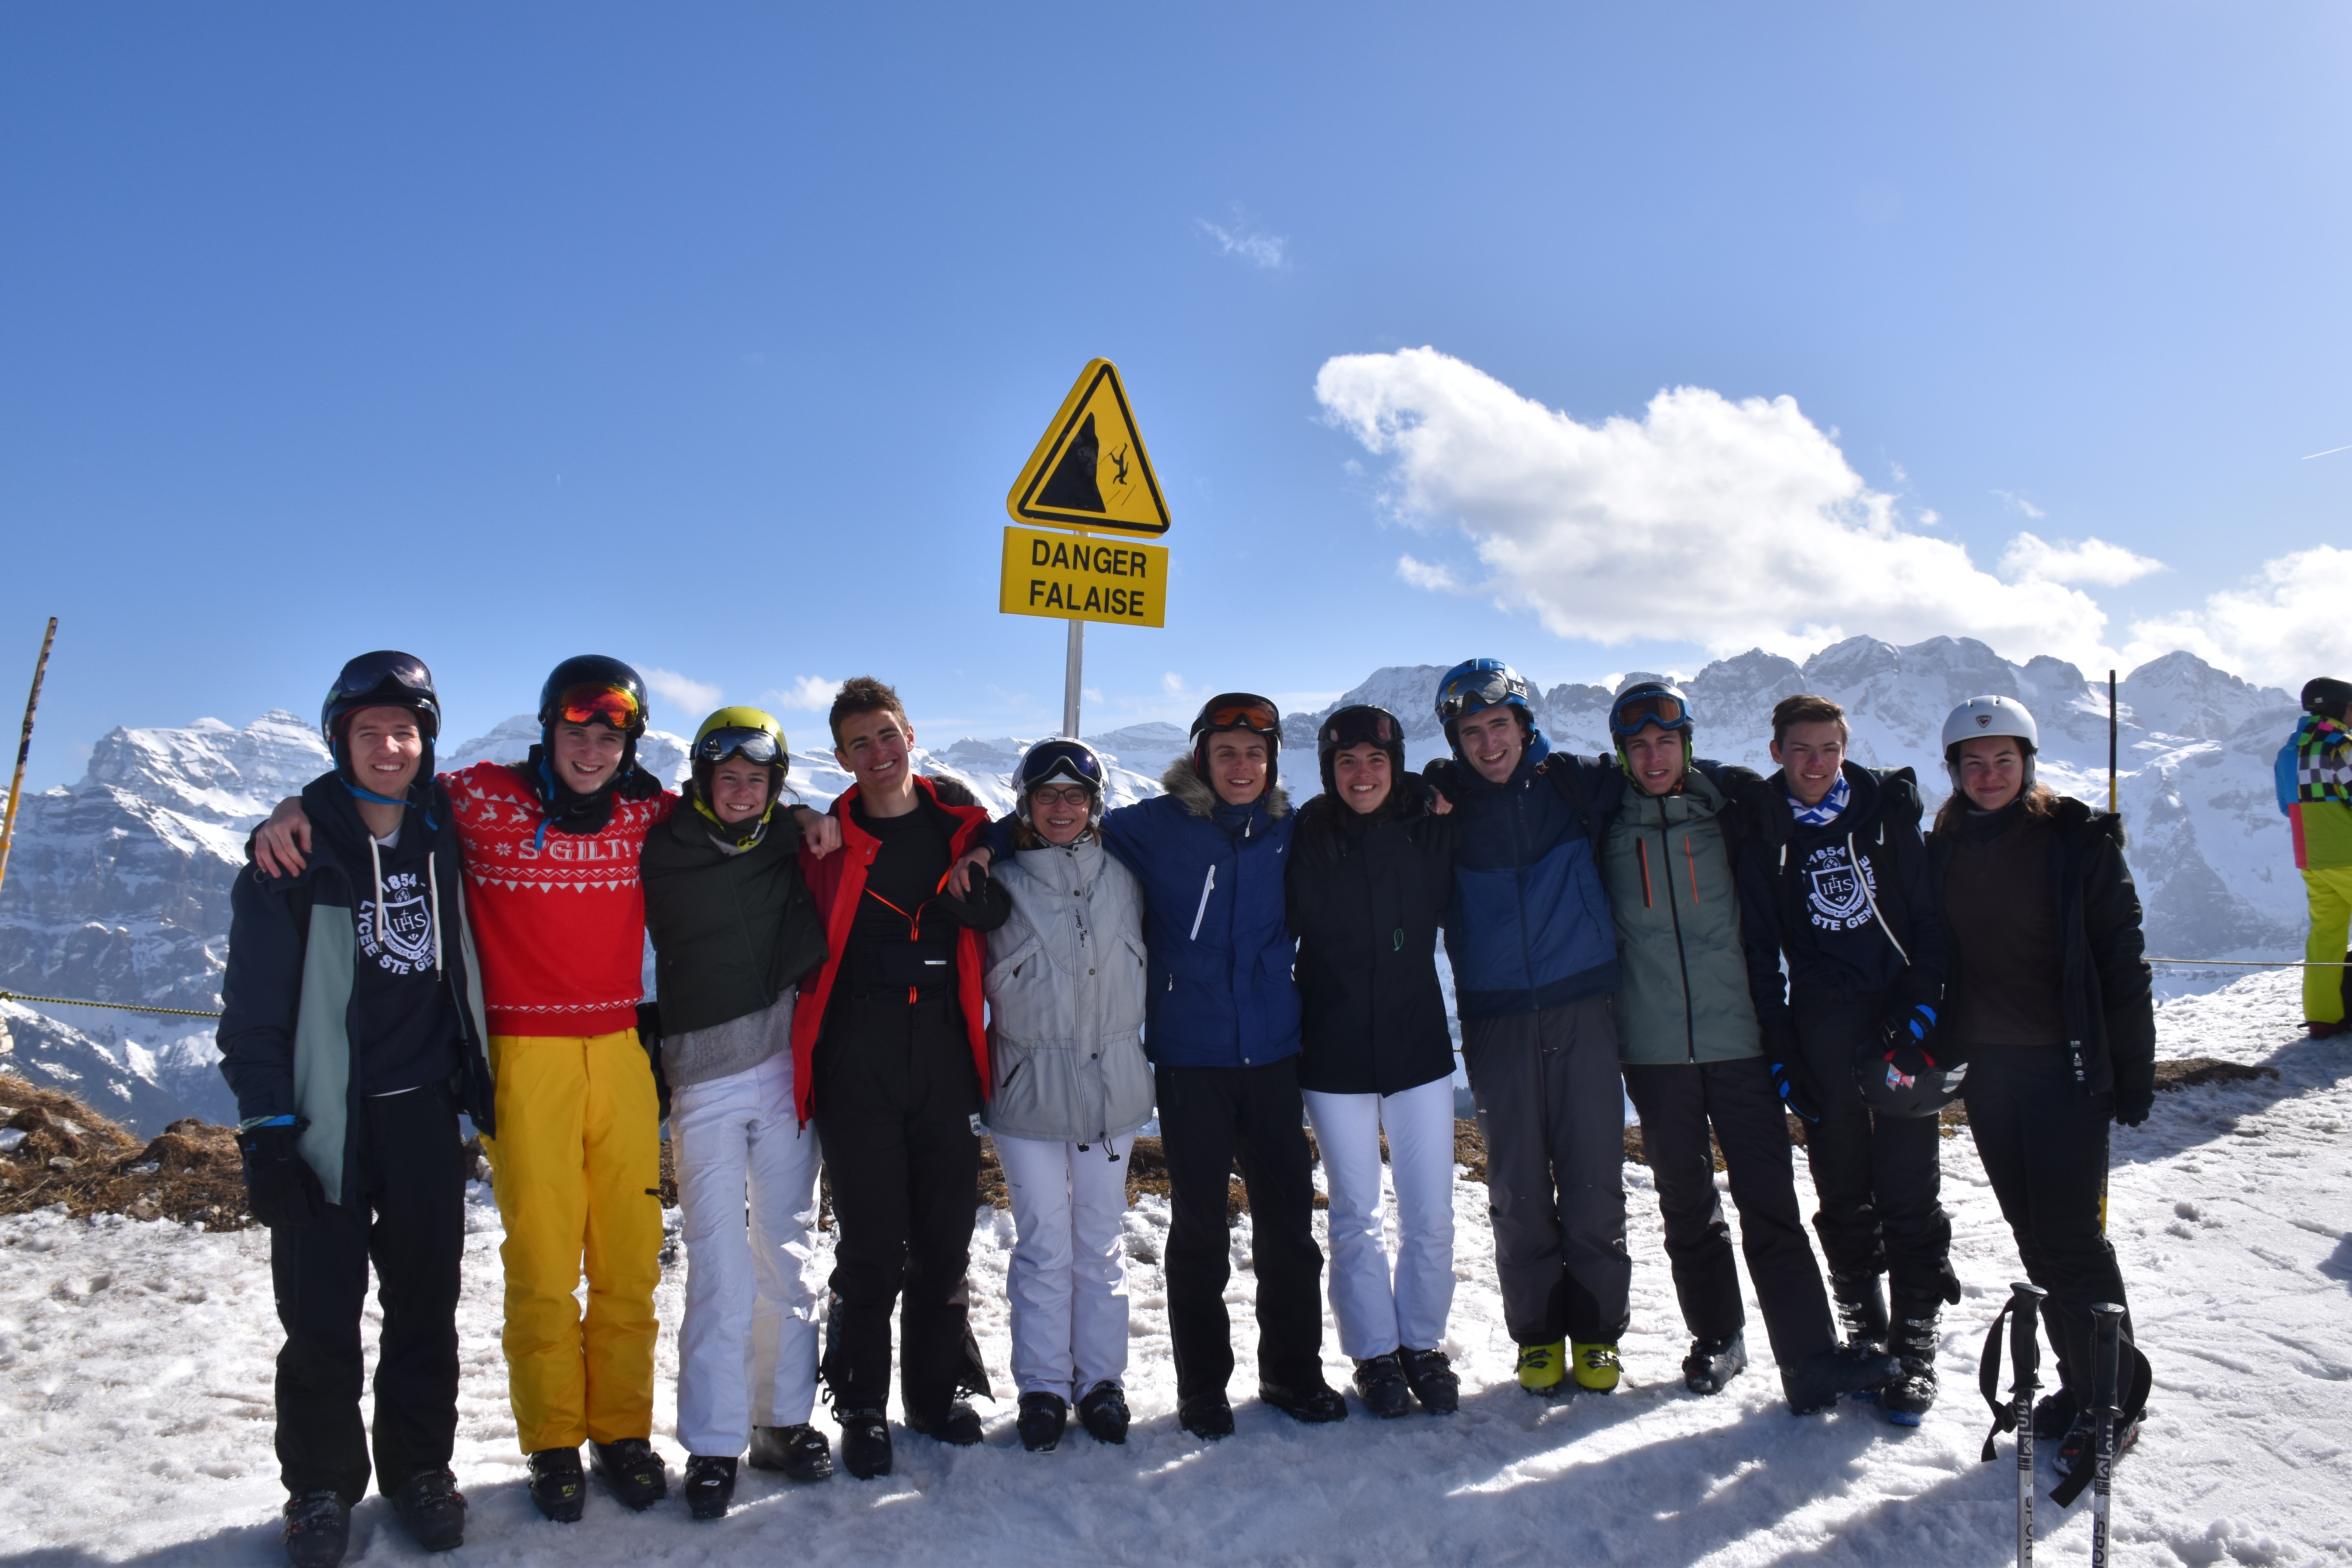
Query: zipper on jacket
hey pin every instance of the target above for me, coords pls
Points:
(1690, 1017)
(1207, 888)
(1641, 859)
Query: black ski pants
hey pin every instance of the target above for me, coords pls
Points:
(1209, 1117)
(896, 1092)
(2045, 1147)
(1676, 1104)
(1879, 1178)
(1552, 1111)
(408, 1219)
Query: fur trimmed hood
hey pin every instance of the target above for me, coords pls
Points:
(1194, 791)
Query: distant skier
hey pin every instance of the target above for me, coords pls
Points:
(1694, 1059)
(1066, 989)
(734, 932)
(351, 1034)
(2050, 1013)
(1372, 871)
(1837, 879)
(2315, 791)
(1535, 960)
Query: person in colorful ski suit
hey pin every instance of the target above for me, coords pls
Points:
(2315, 791)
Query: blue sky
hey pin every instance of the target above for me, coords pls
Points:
(711, 337)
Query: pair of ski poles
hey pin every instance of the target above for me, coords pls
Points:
(2024, 1314)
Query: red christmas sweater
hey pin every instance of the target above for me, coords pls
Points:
(559, 918)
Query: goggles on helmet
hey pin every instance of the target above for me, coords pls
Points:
(1477, 688)
(607, 705)
(751, 745)
(1663, 708)
(1051, 759)
(388, 679)
(1358, 726)
(1250, 713)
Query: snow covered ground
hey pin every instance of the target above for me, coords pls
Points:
(135, 1366)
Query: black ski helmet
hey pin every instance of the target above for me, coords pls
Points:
(587, 672)
(385, 679)
(1361, 724)
(1237, 711)
(2328, 697)
(1906, 1080)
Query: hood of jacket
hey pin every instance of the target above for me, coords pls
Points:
(1200, 799)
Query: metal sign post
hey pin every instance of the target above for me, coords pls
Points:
(25, 749)
(1071, 676)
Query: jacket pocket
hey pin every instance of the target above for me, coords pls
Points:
(1006, 969)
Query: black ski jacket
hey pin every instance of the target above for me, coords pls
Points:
(1849, 903)
(1366, 899)
(731, 933)
(2110, 1005)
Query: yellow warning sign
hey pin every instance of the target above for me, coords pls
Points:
(1071, 577)
(1089, 470)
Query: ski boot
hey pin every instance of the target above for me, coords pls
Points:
(1208, 1414)
(318, 1530)
(865, 1444)
(1542, 1367)
(1597, 1368)
(710, 1485)
(1861, 1300)
(958, 1425)
(2079, 1450)
(1913, 1341)
(800, 1451)
(1433, 1381)
(1314, 1403)
(1712, 1363)
(558, 1490)
(1041, 1422)
(1102, 1411)
(630, 1467)
(1814, 1383)
(1380, 1383)
(430, 1504)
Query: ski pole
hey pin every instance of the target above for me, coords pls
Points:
(25, 749)
(2106, 1353)
(2025, 1362)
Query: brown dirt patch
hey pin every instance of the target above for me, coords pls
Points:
(71, 1156)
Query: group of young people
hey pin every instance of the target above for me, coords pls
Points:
(869, 989)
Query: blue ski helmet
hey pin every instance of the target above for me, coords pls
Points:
(1476, 684)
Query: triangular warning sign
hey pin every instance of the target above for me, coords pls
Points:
(1090, 470)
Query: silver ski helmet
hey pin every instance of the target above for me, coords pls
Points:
(2002, 716)
(1906, 1080)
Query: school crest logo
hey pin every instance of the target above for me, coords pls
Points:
(408, 944)
(1838, 891)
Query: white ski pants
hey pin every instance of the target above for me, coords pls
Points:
(747, 1351)
(1068, 1276)
(1378, 1313)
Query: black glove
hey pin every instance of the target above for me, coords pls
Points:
(1913, 1025)
(2135, 1098)
(280, 1188)
(649, 1035)
(1789, 1077)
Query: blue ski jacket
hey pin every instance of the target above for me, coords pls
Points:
(1529, 926)
(1216, 932)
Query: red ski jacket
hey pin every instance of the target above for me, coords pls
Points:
(837, 882)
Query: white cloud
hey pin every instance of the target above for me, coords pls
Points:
(1731, 525)
(2020, 503)
(684, 694)
(1266, 250)
(2030, 558)
(810, 694)
(2283, 627)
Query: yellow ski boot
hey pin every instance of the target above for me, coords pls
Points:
(1541, 1367)
(1597, 1368)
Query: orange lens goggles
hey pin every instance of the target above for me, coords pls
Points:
(1244, 716)
(599, 704)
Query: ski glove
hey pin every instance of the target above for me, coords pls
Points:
(1914, 1026)
(280, 1188)
(1790, 1077)
(2135, 1098)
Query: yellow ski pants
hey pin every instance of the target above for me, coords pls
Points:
(576, 1167)
(2331, 920)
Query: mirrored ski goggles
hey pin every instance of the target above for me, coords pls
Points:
(1249, 714)
(1656, 707)
(370, 672)
(751, 745)
(1479, 688)
(599, 704)
(1361, 726)
(1062, 760)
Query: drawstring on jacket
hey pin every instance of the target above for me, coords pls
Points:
(1862, 876)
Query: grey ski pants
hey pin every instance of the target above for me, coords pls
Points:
(1552, 1109)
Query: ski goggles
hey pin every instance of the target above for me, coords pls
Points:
(751, 745)
(1479, 688)
(1054, 760)
(1240, 711)
(1662, 709)
(1362, 725)
(599, 704)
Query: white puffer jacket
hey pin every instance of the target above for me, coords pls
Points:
(1066, 988)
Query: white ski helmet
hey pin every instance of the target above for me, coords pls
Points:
(2002, 715)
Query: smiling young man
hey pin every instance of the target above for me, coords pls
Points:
(551, 848)
(1535, 960)
(1836, 879)
(890, 1056)
(351, 1034)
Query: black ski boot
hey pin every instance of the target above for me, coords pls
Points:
(630, 1467)
(958, 1425)
(1380, 1383)
(2054, 1417)
(799, 1452)
(1314, 1403)
(2079, 1449)
(1207, 1416)
(1713, 1364)
(557, 1487)
(1814, 1383)
(865, 1444)
(1861, 1317)
(1103, 1413)
(1433, 1381)
(710, 1485)
(1041, 1422)
(318, 1530)
(1913, 1341)
(430, 1504)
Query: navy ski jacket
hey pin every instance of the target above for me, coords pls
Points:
(1529, 926)
(1216, 932)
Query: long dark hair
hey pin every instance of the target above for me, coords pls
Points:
(2040, 802)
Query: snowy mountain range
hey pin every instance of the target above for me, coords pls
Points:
(117, 887)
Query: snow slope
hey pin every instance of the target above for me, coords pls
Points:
(135, 1388)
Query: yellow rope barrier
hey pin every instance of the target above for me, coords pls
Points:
(124, 1007)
